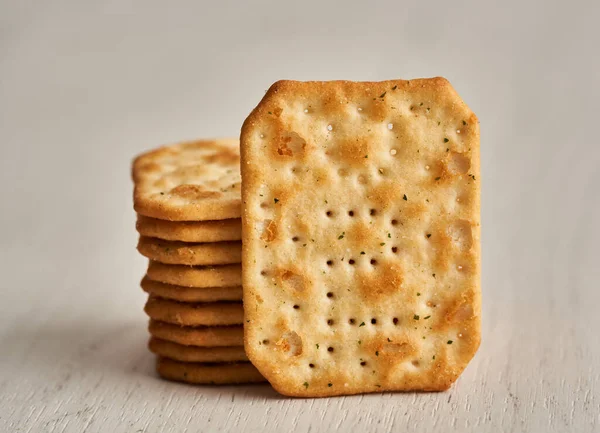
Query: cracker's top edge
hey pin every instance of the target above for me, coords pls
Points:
(346, 88)
(412, 83)
(224, 141)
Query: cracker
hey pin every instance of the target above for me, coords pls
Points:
(190, 231)
(196, 276)
(179, 352)
(212, 336)
(361, 228)
(184, 314)
(184, 253)
(189, 181)
(191, 294)
(208, 374)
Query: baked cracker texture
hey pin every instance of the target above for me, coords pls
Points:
(206, 373)
(195, 276)
(179, 352)
(203, 336)
(191, 294)
(186, 314)
(193, 254)
(190, 231)
(189, 181)
(361, 236)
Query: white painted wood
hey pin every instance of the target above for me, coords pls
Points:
(86, 85)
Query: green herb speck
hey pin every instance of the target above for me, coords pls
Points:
(376, 353)
(464, 123)
(418, 293)
(305, 384)
(438, 178)
(361, 324)
(405, 198)
(276, 200)
(416, 317)
(428, 235)
(446, 140)
(330, 385)
(342, 235)
(426, 317)
(382, 244)
(394, 88)
(317, 345)
(362, 253)
(382, 95)
(449, 341)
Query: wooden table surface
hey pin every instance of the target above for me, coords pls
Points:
(84, 86)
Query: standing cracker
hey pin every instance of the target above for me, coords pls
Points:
(361, 236)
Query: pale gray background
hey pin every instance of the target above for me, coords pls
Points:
(86, 85)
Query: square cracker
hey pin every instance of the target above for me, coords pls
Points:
(360, 232)
(189, 181)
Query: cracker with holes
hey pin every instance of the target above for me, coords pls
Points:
(361, 227)
(190, 181)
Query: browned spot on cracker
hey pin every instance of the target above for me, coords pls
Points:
(290, 343)
(456, 309)
(351, 151)
(383, 280)
(283, 149)
(150, 167)
(386, 353)
(269, 233)
(360, 233)
(385, 195)
(194, 192)
(225, 157)
(292, 280)
(290, 144)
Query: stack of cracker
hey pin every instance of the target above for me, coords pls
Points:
(187, 197)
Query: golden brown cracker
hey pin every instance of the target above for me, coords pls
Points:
(191, 294)
(361, 227)
(185, 314)
(179, 352)
(203, 336)
(195, 276)
(193, 254)
(208, 374)
(189, 181)
(190, 231)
